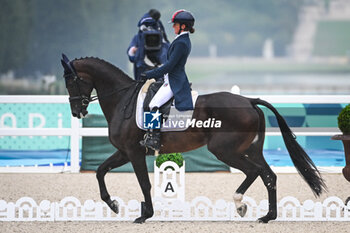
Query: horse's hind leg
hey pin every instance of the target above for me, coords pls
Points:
(269, 178)
(114, 161)
(252, 172)
(254, 155)
(267, 175)
(227, 154)
(250, 169)
(252, 164)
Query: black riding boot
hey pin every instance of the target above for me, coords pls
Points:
(152, 139)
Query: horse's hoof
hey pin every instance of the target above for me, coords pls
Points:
(267, 218)
(347, 201)
(263, 220)
(146, 212)
(140, 220)
(242, 210)
(114, 205)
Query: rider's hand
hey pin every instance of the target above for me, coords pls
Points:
(132, 51)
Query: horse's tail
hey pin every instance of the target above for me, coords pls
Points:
(301, 160)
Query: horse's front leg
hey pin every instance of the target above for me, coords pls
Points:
(141, 172)
(114, 161)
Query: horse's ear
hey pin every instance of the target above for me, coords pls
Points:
(65, 58)
(65, 66)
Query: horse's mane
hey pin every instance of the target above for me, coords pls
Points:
(108, 65)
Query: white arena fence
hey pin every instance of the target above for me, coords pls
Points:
(170, 205)
(75, 132)
(199, 209)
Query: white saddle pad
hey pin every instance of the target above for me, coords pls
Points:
(177, 121)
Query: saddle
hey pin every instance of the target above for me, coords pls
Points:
(131, 99)
(168, 110)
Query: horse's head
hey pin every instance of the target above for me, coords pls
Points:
(79, 87)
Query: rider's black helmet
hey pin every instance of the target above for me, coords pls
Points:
(183, 17)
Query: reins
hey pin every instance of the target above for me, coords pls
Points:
(103, 96)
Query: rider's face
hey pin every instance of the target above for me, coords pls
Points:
(176, 27)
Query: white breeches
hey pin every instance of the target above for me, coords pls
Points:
(163, 94)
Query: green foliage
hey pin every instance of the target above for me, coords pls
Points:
(175, 157)
(344, 120)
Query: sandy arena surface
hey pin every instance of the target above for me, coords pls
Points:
(83, 186)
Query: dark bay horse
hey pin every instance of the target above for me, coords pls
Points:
(238, 142)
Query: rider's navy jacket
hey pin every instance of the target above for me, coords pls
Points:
(177, 55)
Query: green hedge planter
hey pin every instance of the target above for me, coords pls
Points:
(344, 126)
(175, 157)
(344, 120)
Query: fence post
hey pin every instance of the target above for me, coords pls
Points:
(74, 145)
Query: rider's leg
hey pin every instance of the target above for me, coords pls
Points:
(152, 139)
(162, 96)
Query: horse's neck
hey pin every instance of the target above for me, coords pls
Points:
(110, 95)
(106, 86)
(110, 84)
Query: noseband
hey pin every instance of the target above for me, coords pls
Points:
(85, 100)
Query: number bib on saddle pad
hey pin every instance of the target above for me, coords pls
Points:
(175, 120)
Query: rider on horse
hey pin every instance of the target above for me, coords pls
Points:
(173, 71)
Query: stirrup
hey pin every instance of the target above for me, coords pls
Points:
(154, 145)
(151, 141)
(144, 140)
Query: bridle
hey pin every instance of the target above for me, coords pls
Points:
(81, 98)
(85, 100)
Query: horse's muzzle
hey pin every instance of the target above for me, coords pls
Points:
(81, 114)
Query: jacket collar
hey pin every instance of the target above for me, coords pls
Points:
(182, 33)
